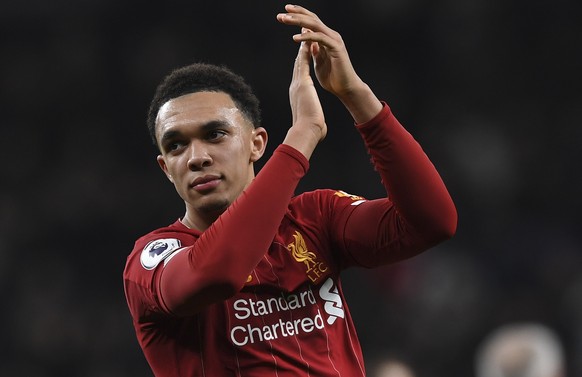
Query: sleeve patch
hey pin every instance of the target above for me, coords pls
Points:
(157, 250)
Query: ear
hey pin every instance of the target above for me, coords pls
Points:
(259, 139)
(164, 167)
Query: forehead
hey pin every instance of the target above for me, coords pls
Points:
(197, 109)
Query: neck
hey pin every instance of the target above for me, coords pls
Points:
(197, 221)
(201, 217)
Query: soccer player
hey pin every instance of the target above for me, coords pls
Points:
(247, 282)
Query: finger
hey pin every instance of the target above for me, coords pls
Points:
(300, 37)
(302, 21)
(292, 8)
(319, 38)
(315, 50)
(299, 16)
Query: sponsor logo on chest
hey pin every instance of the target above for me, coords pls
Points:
(260, 319)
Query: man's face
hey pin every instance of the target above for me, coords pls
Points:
(207, 150)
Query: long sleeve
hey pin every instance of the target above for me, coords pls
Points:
(418, 212)
(218, 264)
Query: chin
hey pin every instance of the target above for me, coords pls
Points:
(215, 207)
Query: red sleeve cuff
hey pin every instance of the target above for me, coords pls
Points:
(295, 154)
(382, 115)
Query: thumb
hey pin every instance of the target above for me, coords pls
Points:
(302, 60)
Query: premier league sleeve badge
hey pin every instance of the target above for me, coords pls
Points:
(157, 250)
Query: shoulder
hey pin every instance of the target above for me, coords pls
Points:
(326, 197)
(323, 203)
(140, 275)
(152, 248)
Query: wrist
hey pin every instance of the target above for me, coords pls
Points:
(305, 138)
(361, 102)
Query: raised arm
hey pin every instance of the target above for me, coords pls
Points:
(308, 124)
(420, 212)
(333, 67)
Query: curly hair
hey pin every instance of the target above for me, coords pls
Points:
(204, 77)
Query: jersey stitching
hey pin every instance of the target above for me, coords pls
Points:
(327, 342)
(290, 315)
(352, 347)
(202, 348)
(238, 371)
(264, 323)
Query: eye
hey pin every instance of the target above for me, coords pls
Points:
(216, 135)
(174, 146)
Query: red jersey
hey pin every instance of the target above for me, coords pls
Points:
(288, 315)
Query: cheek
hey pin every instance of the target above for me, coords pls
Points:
(174, 169)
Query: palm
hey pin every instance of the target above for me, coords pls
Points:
(332, 69)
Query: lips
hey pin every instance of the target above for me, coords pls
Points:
(206, 183)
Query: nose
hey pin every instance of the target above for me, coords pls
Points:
(199, 157)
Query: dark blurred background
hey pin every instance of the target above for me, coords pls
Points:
(491, 89)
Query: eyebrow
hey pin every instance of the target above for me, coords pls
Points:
(169, 135)
(204, 128)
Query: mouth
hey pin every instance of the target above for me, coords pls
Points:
(206, 183)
